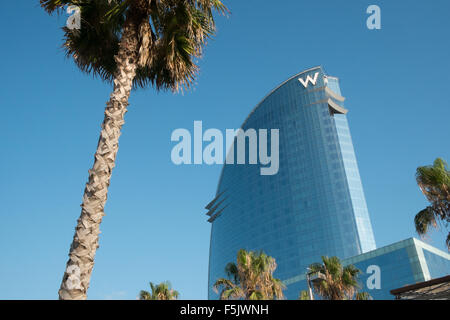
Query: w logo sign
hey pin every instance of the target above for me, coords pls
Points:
(308, 80)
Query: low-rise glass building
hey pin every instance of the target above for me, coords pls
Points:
(394, 266)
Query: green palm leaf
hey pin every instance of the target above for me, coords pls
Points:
(434, 182)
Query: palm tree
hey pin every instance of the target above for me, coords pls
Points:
(363, 296)
(434, 181)
(251, 278)
(337, 282)
(129, 43)
(304, 295)
(162, 291)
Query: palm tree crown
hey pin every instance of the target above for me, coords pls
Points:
(338, 283)
(434, 181)
(251, 278)
(170, 37)
(162, 291)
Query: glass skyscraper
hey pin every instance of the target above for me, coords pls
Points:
(314, 205)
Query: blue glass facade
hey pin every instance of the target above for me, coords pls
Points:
(314, 205)
(399, 264)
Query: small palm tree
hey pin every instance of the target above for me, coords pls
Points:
(131, 44)
(337, 282)
(162, 291)
(434, 181)
(304, 295)
(251, 278)
(363, 296)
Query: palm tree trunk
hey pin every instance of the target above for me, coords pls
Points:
(75, 282)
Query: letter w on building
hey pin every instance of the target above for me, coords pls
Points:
(308, 80)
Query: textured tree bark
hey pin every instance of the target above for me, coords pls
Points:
(75, 282)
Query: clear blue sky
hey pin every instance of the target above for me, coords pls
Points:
(396, 81)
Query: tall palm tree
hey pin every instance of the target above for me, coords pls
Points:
(251, 278)
(162, 291)
(338, 282)
(129, 43)
(434, 181)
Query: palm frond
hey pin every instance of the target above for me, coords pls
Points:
(232, 293)
(423, 220)
(363, 296)
(145, 295)
(51, 6)
(304, 295)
